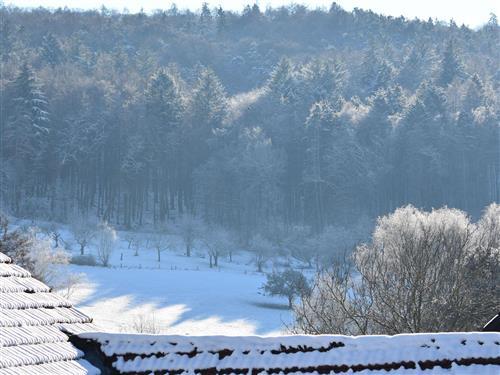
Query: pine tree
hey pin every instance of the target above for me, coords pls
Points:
(451, 67)
(5, 38)
(282, 82)
(24, 133)
(415, 66)
(28, 119)
(375, 73)
(209, 103)
(205, 18)
(164, 116)
(319, 126)
(221, 20)
(324, 79)
(50, 50)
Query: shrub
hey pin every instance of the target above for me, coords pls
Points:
(84, 260)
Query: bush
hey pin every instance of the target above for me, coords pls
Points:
(84, 260)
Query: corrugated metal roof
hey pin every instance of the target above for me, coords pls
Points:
(33, 322)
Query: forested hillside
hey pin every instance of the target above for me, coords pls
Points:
(289, 117)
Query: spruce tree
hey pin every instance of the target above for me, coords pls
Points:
(451, 67)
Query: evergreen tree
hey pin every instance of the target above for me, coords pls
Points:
(28, 118)
(164, 116)
(221, 20)
(51, 51)
(451, 66)
(209, 104)
(318, 139)
(205, 18)
(282, 82)
(375, 73)
(415, 66)
(24, 133)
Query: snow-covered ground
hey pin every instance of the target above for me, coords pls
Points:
(178, 295)
(182, 301)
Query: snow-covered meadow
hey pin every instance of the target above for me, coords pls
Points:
(178, 295)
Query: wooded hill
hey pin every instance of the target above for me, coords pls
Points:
(284, 117)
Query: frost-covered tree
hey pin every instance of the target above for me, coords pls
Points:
(189, 227)
(34, 252)
(296, 244)
(160, 242)
(288, 283)
(51, 50)
(106, 242)
(262, 250)
(46, 260)
(451, 66)
(164, 114)
(419, 273)
(218, 242)
(84, 230)
(23, 130)
(282, 82)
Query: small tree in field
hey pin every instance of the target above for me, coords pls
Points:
(188, 228)
(262, 250)
(297, 244)
(137, 242)
(160, 243)
(83, 231)
(52, 230)
(218, 242)
(106, 237)
(288, 283)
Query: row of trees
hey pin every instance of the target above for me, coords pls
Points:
(421, 272)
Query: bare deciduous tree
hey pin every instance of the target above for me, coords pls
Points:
(160, 242)
(262, 250)
(53, 231)
(188, 228)
(83, 231)
(218, 242)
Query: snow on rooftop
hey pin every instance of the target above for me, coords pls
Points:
(135, 353)
(32, 326)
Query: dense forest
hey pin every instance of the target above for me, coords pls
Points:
(289, 116)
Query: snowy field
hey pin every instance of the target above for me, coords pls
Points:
(178, 295)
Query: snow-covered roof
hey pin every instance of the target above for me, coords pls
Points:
(33, 322)
(477, 352)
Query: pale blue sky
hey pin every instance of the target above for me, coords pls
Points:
(472, 13)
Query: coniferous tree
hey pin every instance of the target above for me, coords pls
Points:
(51, 51)
(451, 66)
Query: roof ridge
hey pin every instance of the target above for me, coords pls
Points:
(4, 258)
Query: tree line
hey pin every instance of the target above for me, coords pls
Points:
(290, 118)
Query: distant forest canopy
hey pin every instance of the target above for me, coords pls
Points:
(290, 116)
